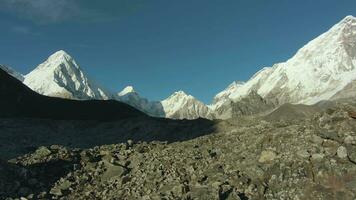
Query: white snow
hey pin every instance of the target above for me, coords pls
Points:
(126, 90)
(224, 95)
(183, 106)
(61, 76)
(316, 72)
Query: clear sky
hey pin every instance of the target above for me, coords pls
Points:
(161, 46)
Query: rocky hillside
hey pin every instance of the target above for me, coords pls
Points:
(246, 158)
(251, 104)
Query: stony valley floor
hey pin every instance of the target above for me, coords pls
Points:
(245, 158)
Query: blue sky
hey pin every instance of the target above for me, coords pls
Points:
(161, 46)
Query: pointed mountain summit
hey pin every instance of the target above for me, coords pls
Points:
(127, 90)
(318, 71)
(183, 106)
(61, 76)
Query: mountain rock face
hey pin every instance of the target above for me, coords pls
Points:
(318, 71)
(130, 96)
(224, 96)
(183, 106)
(19, 101)
(348, 91)
(60, 76)
(251, 104)
(222, 104)
(12, 72)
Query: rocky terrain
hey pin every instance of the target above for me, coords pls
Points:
(287, 133)
(308, 157)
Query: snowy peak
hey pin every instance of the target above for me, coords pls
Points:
(59, 59)
(127, 90)
(60, 55)
(345, 26)
(316, 72)
(12, 72)
(179, 95)
(61, 76)
(183, 106)
(348, 19)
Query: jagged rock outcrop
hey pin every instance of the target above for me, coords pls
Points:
(249, 105)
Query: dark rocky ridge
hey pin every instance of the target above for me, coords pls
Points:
(17, 100)
(252, 104)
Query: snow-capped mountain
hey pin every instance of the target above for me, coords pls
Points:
(323, 69)
(130, 96)
(12, 72)
(183, 106)
(318, 71)
(60, 76)
(223, 96)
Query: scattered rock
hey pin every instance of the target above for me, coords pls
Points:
(303, 154)
(42, 152)
(130, 143)
(350, 140)
(267, 156)
(351, 150)
(342, 152)
(240, 161)
(317, 157)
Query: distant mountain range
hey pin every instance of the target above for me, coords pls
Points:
(61, 76)
(323, 69)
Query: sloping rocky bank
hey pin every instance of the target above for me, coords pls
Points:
(248, 158)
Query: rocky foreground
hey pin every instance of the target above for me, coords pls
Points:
(249, 158)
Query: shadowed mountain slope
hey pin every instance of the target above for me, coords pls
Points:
(17, 100)
(30, 120)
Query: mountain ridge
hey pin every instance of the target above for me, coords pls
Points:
(322, 69)
(318, 70)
